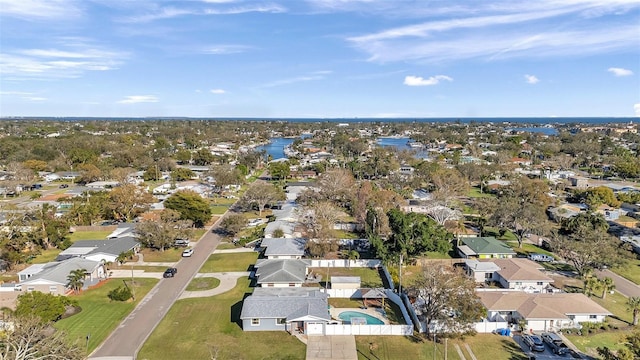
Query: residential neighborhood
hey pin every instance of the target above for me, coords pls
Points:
(361, 237)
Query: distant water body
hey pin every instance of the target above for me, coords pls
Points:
(521, 120)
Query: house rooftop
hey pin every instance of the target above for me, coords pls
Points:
(58, 272)
(481, 266)
(520, 269)
(281, 270)
(286, 303)
(486, 245)
(541, 306)
(284, 246)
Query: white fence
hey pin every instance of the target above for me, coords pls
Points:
(344, 293)
(334, 329)
(343, 263)
(489, 326)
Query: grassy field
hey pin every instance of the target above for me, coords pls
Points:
(475, 193)
(169, 255)
(99, 315)
(8, 278)
(527, 249)
(226, 246)
(229, 262)
(630, 272)
(89, 235)
(589, 343)
(207, 283)
(484, 347)
(219, 209)
(368, 277)
(196, 328)
(46, 256)
(617, 304)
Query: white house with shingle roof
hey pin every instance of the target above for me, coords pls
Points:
(542, 312)
(284, 248)
(285, 309)
(514, 273)
(52, 277)
(281, 272)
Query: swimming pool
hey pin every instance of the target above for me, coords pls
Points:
(347, 315)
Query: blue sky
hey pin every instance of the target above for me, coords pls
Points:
(320, 58)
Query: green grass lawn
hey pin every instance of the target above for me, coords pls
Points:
(475, 193)
(139, 267)
(229, 262)
(589, 343)
(527, 249)
(196, 328)
(226, 246)
(8, 278)
(436, 255)
(169, 255)
(197, 234)
(89, 235)
(46, 256)
(219, 209)
(207, 283)
(484, 347)
(631, 271)
(100, 316)
(368, 277)
(617, 304)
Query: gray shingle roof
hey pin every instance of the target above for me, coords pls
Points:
(114, 246)
(289, 303)
(284, 246)
(281, 270)
(58, 271)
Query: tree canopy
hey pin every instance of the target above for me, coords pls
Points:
(190, 205)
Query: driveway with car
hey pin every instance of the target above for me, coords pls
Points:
(547, 354)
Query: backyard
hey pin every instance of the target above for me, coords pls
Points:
(369, 278)
(99, 315)
(46, 256)
(229, 262)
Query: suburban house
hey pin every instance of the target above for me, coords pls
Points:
(286, 309)
(287, 227)
(284, 248)
(542, 312)
(106, 250)
(483, 248)
(52, 277)
(123, 230)
(281, 272)
(515, 273)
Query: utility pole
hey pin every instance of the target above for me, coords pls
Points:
(133, 287)
(400, 277)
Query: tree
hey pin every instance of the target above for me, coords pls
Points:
(607, 285)
(412, 235)
(162, 232)
(448, 300)
(591, 283)
(89, 173)
(32, 339)
(233, 223)
(75, 280)
(225, 175)
(190, 205)
(319, 220)
(128, 201)
(337, 186)
(182, 174)
(279, 170)
(203, 157)
(521, 208)
(47, 307)
(633, 305)
(261, 194)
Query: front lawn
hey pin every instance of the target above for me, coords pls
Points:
(99, 315)
(169, 255)
(46, 256)
(229, 262)
(369, 278)
(631, 271)
(202, 328)
(89, 235)
(219, 209)
(484, 347)
(204, 283)
(588, 344)
(527, 249)
(475, 193)
(617, 304)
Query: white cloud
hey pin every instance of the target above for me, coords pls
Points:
(531, 79)
(40, 9)
(217, 91)
(636, 109)
(221, 8)
(494, 31)
(15, 93)
(74, 57)
(420, 81)
(135, 99)
(225, 49)
(620, 71)
(34, 98)
(293, 80)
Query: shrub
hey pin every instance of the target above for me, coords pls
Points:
(121, 293)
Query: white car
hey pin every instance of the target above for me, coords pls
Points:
(255, 222)
(187, 253)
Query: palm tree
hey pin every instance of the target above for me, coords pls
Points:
(590, 285)
(607, 285)
(633, 305)
(75, 280)
(122, 257)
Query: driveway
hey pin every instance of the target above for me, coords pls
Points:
(623, 286)
(546, 355)
(127, 339)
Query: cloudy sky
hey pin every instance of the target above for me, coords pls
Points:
(320, 58)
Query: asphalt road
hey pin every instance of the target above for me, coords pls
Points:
(127, 339)
(623, 286)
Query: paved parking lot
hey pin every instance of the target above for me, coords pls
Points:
(546, 355)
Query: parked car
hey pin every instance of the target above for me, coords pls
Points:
(181, 243)
(555, 343)
(541, 257)
(534, 342)
(170, 272)
(63, 186)
(255, 222)
(187, 253)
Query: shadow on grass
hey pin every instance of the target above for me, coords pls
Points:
(236, 310)
(514, 350)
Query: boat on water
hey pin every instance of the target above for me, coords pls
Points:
(415, 144)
